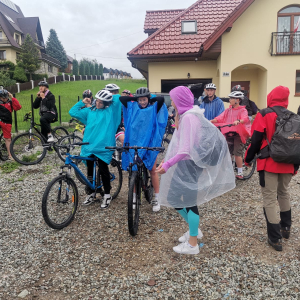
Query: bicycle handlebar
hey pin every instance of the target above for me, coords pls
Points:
(136, 148)
(228, 125)
(67, 146)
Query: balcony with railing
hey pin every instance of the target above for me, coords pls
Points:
(285, 43)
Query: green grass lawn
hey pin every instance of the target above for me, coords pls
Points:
(69, 92)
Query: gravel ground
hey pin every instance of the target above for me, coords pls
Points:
(96, 258)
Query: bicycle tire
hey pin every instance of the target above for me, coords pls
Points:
(252, 169)
(114, 168)
(29, 151)
(3, 149)
(134, 214)
(67, 140)
(48, 198)
(59, 132)
(148, 191)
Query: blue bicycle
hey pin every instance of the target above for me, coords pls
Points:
(60, 199)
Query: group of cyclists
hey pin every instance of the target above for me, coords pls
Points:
(198, 162)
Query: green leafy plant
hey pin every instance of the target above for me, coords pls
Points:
(8, 166)
(19, 74)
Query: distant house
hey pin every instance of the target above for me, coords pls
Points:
(105, 73)
(109, 73)
(69, 68)
(13, 29)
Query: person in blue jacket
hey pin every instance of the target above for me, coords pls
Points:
(101, 122)
(145, 119)
(212, 104)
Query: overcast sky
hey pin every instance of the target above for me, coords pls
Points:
(105, 30)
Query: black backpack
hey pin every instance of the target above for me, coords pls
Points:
(285, 144)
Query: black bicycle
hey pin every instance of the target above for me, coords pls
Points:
(168, 132)
(3, 149)
(139, 180)
(248, 171)
(27, 148)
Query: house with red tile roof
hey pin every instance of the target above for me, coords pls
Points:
(254, 43)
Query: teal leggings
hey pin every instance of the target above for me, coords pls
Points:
(191, 216)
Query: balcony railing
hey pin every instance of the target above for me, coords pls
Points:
(285, 43)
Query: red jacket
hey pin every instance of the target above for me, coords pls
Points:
(14, 104)
(264, 124)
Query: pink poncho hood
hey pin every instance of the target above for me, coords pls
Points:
(183, 98)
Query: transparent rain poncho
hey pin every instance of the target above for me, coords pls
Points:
(204, 170)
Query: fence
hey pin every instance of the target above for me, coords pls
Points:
(19, 87)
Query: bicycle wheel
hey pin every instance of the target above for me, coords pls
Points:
(134, 208)
(60, 202)
(116, 178)
(27, 149)
(147, 185)
(249, 171)
(67, 140)
(3, 149)
(59, 132)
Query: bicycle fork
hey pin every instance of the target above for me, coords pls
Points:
(67, 194)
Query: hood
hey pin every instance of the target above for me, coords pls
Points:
(279, 97)
(183, 98)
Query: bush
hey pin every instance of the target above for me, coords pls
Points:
(7, 65)
(19, 74)
(37, 76)
(5, 80)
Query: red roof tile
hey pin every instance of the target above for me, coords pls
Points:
(212, 17)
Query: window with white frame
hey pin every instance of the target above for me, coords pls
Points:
(50, 68)
(2, 54)
(298, 82)
(189, 27)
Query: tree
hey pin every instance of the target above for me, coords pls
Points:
(96, 68)
(101, 69)
(75, 67)
(29, 56)
(55, 49)
(92, 69)
(81, 68)
(5, 80)
(19, 74)
(87, 69)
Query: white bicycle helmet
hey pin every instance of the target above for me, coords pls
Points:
(104, 96)
(211, 86)
(111, 87)
(236, 95)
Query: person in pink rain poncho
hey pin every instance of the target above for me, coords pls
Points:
(197, 165)
(238, 134)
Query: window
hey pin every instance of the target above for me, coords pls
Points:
(298, 83)
(1, 36)
(189, 27)
(17, 39)
(50, 69)
(2, 54)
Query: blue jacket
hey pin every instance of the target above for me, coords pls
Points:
(212, 108)
(101, 127)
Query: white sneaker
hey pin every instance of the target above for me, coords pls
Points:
(89, 199)
(186, 236)
(50, 138)
(105, 202)
(186, 248)
(155, 205)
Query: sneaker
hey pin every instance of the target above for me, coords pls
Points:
(50, 138)
(240, 176)
(186, 236)
(186, 248)
(285, 232)
(155, 205)
(277, 246)
(105, 202)
(10, 158)
(89, 199)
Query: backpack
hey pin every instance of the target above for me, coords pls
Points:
(285, 144)
(5, 114)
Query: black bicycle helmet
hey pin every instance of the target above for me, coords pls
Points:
(3, 93)
(142, 92)
(236, 88)
(43, 83)
(87, 94)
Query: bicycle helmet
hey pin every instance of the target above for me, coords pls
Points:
(126, 92)
(211, 86)
(112, 87)
(3, 93)
(87, 94)
(105, 96)
(236, 95)
(237, 88)
(142, 92)
(43, 83)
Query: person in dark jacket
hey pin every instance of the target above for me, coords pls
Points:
(45, 101)
(6, 108)
(274, 177)
(298, 112)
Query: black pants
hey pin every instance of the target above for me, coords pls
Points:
(104, 173)
(45, 121)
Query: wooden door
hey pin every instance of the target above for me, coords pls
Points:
(244, 84)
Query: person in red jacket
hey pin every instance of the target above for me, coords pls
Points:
(6, 108)
(274, 177)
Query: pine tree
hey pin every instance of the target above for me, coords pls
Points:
(87, 69)
(19, 74)
(101, 69)
(92, 69)
(75, 67)
(82, 68)
(96, 69)
(55, 49)
(29, 56)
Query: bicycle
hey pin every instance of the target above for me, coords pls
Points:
(60, 199)
(3, 149)
(248, 171)
(170, 128)
(139, 181)
(27, 148)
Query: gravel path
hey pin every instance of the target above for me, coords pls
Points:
(96, 258)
